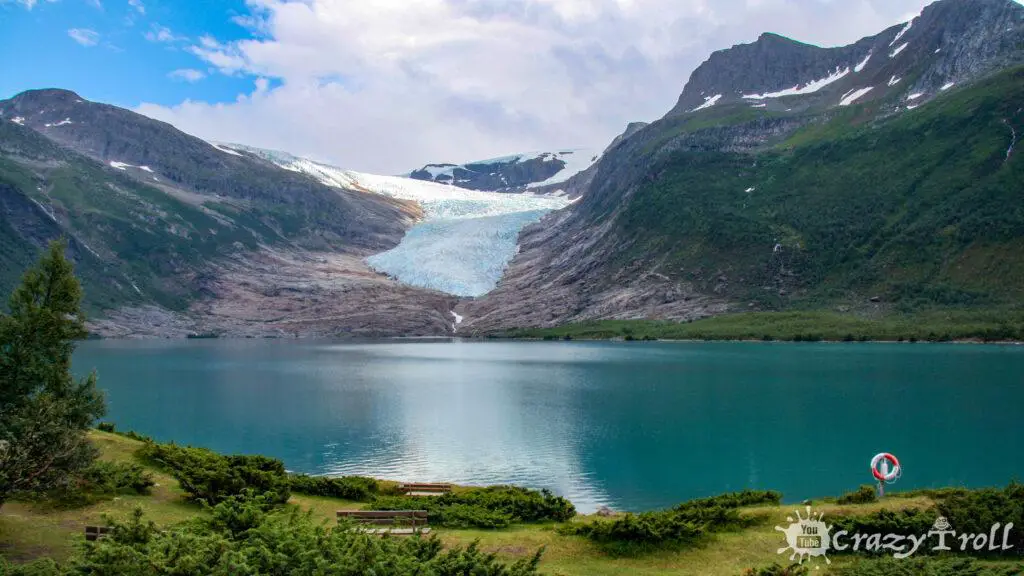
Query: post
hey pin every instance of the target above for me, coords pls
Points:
(885, 472)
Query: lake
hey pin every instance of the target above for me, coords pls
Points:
(634, 426)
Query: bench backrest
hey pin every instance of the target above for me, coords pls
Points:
(425, 487)
(408, 517)
(93, 533)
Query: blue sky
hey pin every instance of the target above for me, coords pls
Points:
(131, 61)
(386, 86)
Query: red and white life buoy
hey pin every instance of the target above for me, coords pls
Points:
(889, 471)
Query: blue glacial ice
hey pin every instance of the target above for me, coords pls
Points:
(466, 238)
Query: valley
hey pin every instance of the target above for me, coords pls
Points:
(787, 177)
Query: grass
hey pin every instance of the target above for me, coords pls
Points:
(29, 531)
(935, 326)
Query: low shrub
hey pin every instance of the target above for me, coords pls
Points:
(106, 427)
(492, 507)
(777, 570)
(211, 478)
(675, 527)
(976, 511)
(863, 495)
(101, 481)
(357, 488)
(967, 512)
(245, 535)
(637, 532)
(923, 567)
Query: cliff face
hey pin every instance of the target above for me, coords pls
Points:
(797, 195)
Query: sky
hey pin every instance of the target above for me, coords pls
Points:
(386, 86)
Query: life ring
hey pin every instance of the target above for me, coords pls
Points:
(893, 474)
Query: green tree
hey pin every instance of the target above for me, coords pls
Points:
(44, 411)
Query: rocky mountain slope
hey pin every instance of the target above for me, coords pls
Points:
(173, 235)
(513, 173)
(949, 43)
(908, 195)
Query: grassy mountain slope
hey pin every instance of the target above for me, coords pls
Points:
(922, 208)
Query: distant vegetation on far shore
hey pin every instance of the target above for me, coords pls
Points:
(802, 326)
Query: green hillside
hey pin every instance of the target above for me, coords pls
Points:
(132, 243)
(921, 209)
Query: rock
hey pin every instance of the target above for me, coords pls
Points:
(605, 511)
(876, 299)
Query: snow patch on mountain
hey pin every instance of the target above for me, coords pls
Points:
(897, 51)
(576, 160)
(708, 102)
(853, 96)
(798, 90)
(901, 33)
(863, 63)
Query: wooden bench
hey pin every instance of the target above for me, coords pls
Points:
(400, 522)
(424, 489)
(94, 533)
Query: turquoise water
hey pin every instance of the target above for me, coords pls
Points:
(631, 425)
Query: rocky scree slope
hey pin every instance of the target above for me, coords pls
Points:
(804, 202)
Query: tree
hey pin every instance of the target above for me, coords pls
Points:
(44, 411)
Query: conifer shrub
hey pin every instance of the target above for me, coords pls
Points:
(491, 507)
(357, 488)
(924, 566)
(778, 570)
(102, 480)
(249, 534)
(677, 527)
(863, 495)
(212, 478)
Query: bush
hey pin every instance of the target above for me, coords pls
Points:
(492, 507)
(101, 481)
(637, 532)
(211, 478)
(967, 511)
(902, 522)
(976, 511)
(357, 488)
(776, 570)
(247, 535)
(924, 567)
(106, 427)
(676, 527)
(863, 495)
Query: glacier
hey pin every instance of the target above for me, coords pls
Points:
(466, 238)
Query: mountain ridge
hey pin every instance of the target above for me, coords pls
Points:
(664, 228)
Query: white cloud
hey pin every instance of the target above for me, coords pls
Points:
(27, 4)
(95, 4)
(158, 33)
(84, 36)
(138, 5)
(389, 85)
(187, 74)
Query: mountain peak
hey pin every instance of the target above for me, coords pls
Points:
(951, 42)
(47, 94)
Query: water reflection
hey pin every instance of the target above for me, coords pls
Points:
(632, 426)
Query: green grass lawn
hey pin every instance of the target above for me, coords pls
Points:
(30, 531)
